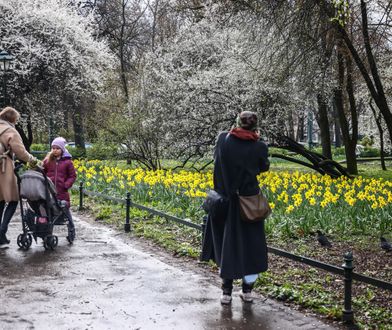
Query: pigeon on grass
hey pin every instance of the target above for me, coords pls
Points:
(385, 245)
(323, 240)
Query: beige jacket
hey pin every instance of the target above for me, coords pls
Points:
(11, 140)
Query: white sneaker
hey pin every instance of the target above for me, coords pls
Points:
(246, 296)
(225, 299)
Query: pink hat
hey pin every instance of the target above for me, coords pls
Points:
(60, 142)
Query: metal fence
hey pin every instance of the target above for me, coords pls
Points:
(346, 270)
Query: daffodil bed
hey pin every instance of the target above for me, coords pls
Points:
(301, 202)
(353, 213)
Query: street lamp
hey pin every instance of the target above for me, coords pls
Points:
(5, 62)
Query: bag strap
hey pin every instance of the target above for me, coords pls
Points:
(241, 175)
(3, 131)
(6, 151)
(5, 154)
(239, 178)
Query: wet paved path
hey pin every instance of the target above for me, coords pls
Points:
(108, 281)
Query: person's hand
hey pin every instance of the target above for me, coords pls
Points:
(34, 163)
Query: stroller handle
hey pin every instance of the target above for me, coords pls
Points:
(18, 166)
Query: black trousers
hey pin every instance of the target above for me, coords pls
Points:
(6, 213)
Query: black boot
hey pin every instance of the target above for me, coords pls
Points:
(8, 213)
(227, 288)
(246, 292)
(71, 235)
(3, 239)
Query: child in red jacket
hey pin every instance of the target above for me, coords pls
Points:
(59, 168)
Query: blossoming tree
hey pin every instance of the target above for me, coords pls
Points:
(58, 61)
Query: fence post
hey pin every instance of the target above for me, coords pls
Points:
(203, 227)
(348, 314)
(81, 195)
(127, 225)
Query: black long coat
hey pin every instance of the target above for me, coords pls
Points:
(237, 247)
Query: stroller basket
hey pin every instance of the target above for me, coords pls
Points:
(35, 223)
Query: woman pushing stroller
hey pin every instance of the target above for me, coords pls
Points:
(58, 166)
(11, 147)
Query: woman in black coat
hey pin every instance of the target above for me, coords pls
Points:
(237, 247)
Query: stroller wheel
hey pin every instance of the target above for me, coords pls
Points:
(24, 241)
(50, 242)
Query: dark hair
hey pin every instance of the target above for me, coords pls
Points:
(247, 120)
(9, 114)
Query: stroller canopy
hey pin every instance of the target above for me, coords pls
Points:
(34, 186)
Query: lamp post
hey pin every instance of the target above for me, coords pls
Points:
(5, 62)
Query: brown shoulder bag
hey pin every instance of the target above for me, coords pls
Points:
(254, 208)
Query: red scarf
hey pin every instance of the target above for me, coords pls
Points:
(244, 134)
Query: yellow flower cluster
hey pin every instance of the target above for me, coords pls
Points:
(295, 190)
(191, 184)
(286, 191)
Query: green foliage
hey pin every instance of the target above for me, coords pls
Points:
(339, 151)
(39, 150)
(102, 151)
(280, 151)
(39, 147)
(367, 141)
(104, 213)
(370, 152)
(66, 134)
(342, 12)
(76, 152)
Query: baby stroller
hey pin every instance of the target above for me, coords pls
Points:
(40, 209)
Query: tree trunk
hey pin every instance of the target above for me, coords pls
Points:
(323, 123)
(122, 52)
(301, 128)
(29, 132)
(77, 121)
(24, 137)
(381, 133)
(291, 126)
(369, 71)
(154, 11)
(66, 117)
(353, 106)
(349, 143)
(337, 130)
(349, 147)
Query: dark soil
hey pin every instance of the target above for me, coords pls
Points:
(368, 259)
